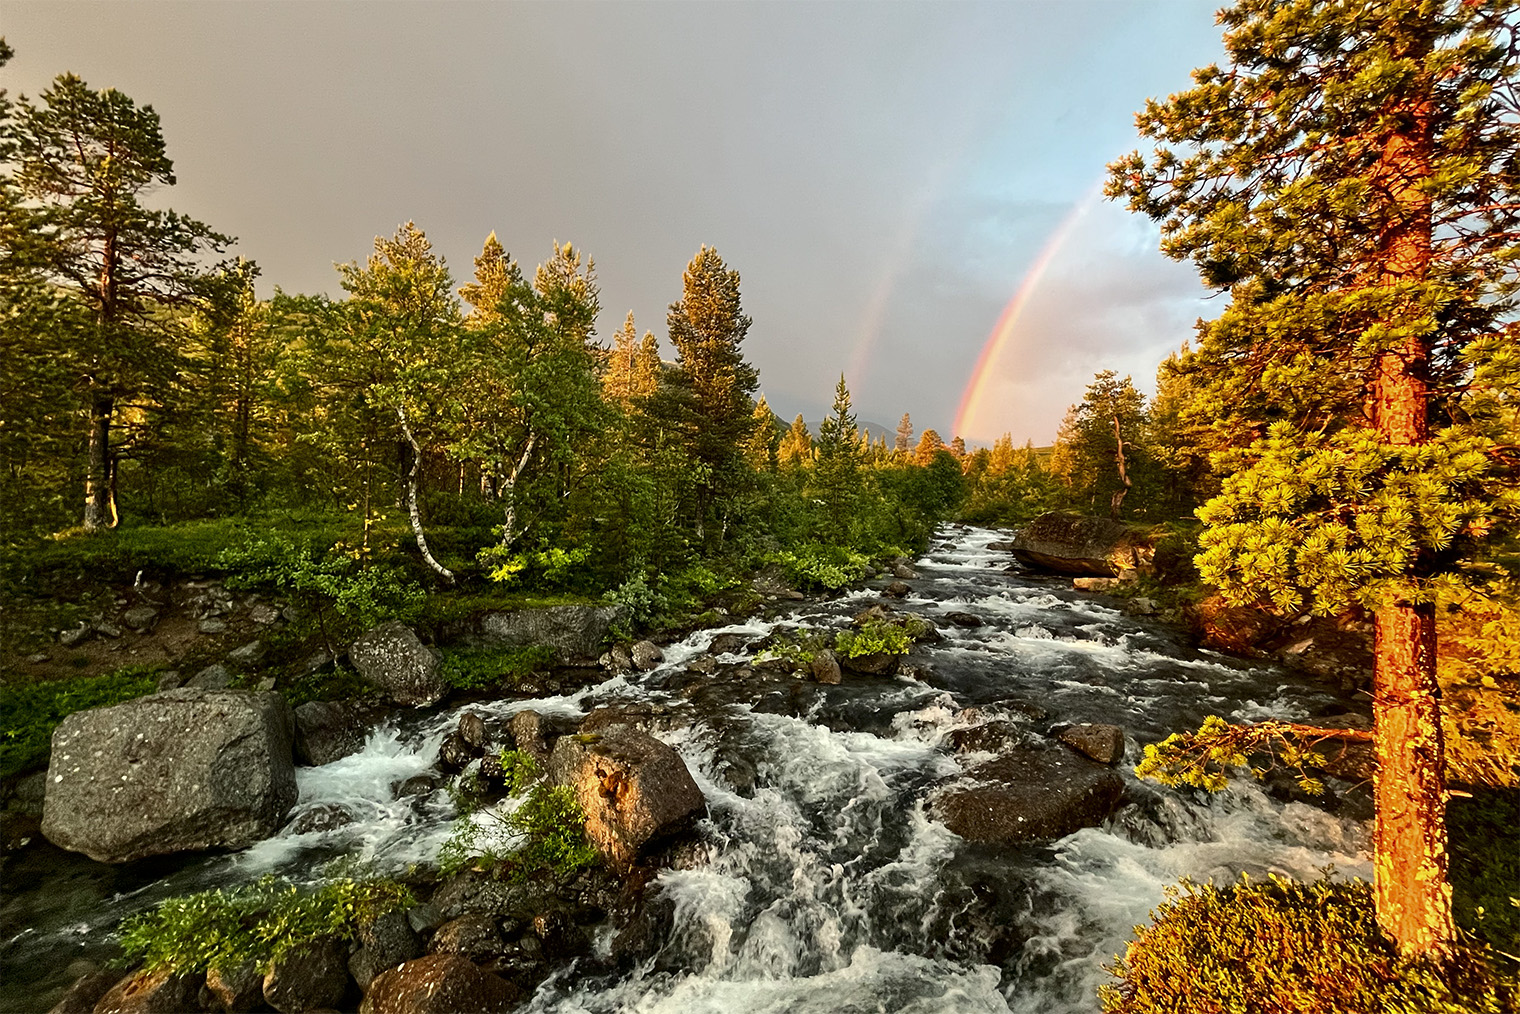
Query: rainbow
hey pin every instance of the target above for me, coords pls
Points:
(1007, 324)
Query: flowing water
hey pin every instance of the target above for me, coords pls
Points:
(828, 885)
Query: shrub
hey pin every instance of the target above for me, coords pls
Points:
(546, 831)
(816, 566)
(257, 922)
(485, 668)
(875, 637)
(1288, 948)
(30, 712)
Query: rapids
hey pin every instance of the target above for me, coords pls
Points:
(828, 887)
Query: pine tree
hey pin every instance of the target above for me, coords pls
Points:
(904, 439)
(958, 448)
(1100, 447)
(633, 367)
(928, 446)
(764, 438)
(796, 447)
(84, 161)
(1350, 180)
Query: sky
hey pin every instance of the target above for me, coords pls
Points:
(909, 192)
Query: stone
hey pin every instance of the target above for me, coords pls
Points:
(39, 658)
(472, 729)
(1095, 584)
(646, 655)
(237, 988)
(80, 634)
(617, 659)
(322, 817)
(212, 625)
(992, 736)
(896, 590)
(1238, 630)
(966, 620)
(1140, 605)
(182, 770)
(1028, 795)
(903, 571)
(213, 677)
(390, 938)
(634, 790)
(1102, 743)
(527, 730)
(573, 631)
(86, 992)
(263, 614)
(417, 785)
(155, 993)
(454, 754)
(558, 935)
(392, 658)
(880, 663)
(475, 936)
(1073, 544)
(140, 617)
(825, 667)
(725, 644)
(307, 977)
(248, 654)
(439, 984)
(107, 629)
(171, 680)
(330, 730)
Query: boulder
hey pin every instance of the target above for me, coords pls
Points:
(1102, 743)
(472, 729)
(408, 671)
(1028, 795)
(896, 590)
(86, 992)
(528, 729)
(967, 620)
(825, 667)
(1095, 584)
(439, 984)
(155, 993)
(634, 790)
(237, 988)
(213, 677)
(248, 654)
(140, 617)
(307, 977)
(475, 936)
(1238, 630)
(573, 631)
(880, 663)
(903, 570)
(330, 730)
(646, 655)
(1073, 544)
(725, 644)
(181, 770)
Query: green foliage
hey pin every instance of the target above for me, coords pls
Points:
(552, 568)
(336, 684)
(1203, 759)
(545, 831)
(29, 712)
(336, 578)
(1485, 867)
(1288, 948)
(257, 922)
(798, 648)
(486, 668)
(1325, 521)
(819, 566)
(875, 637)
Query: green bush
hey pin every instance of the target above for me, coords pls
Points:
(817, 566)
(1285, 947)
(547, 830)
(486, 668)
(875, 637)
(30, 712)
(257, 922)
(1485, 865)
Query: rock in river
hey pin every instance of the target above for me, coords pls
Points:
(1029, 795)
(182, 770)
(391, 657)
(1073, 544)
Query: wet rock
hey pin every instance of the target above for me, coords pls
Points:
(573, 631)
(704, 664)
(825, 667)
(212, 625)
(417, 785)
(454, 754)
(880, 663)
(528, 731)
(1102, 743)
(633, 788)
(263, 614)
(476, 936)
(966, 620)
(182, 770)
(1141, 606)
(86, 992)
(472, 892)
(896, 590)
(213, 677)
(903, 570)
(992, 736)
(646, 655)
(247, 654)
(1073, 544)
(406, 670)
(307, 977)
(1095, 584)
(140, 617)
(1003, 546)
(1238, 630)
(725, 644)
(521, 963)
(78, 635)
(237, 988)
(439, 984)
(322, 817)
(617, 659)
(155, 993)
(559, 936)
(330, 730)
(472, 729)
(1028, 795)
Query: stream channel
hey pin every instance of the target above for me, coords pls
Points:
(828, 886)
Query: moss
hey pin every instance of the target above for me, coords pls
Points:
(1289, 948)
(486, 668)
(30, 712)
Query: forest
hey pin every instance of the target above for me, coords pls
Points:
(1332, 460)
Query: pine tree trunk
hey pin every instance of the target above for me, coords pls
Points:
(411, 500)
(97, 477)
(1410, 887)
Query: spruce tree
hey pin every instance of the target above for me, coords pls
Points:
(904, 440)
(796, 447)
(1350, 180)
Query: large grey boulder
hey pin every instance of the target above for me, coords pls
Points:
(634, 789)
(1028, 795)
(182, 770)
(573, 631)
(1073, 544)
(406, 670)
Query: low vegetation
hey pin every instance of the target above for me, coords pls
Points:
(540, 830)
(29, 712)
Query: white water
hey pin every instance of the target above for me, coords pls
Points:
(830, 888)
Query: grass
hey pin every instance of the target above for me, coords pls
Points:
(489, 668)
(30, 712)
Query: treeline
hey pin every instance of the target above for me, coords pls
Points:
(144, 385)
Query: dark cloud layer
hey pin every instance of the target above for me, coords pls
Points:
(882, 175)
